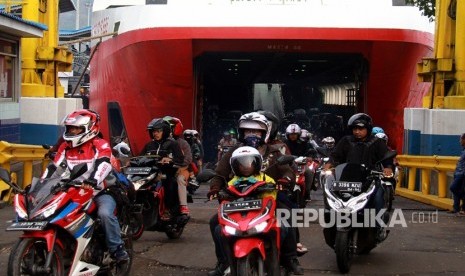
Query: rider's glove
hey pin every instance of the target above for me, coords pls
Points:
(91, 182)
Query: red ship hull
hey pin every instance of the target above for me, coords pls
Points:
(150, 72)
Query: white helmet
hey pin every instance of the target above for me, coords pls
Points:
(382, 136)
(254, 120)
(293, 129)
(329, 142)
(246, 161)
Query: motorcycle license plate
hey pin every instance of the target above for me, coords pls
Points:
(27, 225)
(344, 186)
(137, 170)
(236, 206)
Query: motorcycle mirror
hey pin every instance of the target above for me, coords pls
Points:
(78, 170)
(206, 175)
(286, 159)
(5, 175)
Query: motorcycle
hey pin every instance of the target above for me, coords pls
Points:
(301, 192)
(62, 234)
(145, 174)
(347, 189)
(249, 226)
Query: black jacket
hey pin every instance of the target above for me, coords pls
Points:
(165, 148)
(367, 152)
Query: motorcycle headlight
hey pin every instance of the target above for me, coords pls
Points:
(230, 230)
(357, 204)
(260, 227)
(139, 183)
(20, 212)
(49, 210)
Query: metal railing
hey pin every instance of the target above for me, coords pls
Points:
(416, 188)
(419, 171)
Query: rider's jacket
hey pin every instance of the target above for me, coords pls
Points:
(236, 180)
(298, 148)
(165, 148)
(368, 151)
(95, 153)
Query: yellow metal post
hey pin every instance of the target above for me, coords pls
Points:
(42, 57)
(442, 184)
(425, 181)
(412, 176)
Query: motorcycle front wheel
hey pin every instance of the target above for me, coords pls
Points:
(137, 226)
(344, 252)
(250, 265)
(28, 257)
(174, 233)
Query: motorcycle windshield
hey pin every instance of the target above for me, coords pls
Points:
(40, 192)
(350, 172)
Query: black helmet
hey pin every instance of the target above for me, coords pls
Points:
(274, 122)
(159, 123)
(361, 120)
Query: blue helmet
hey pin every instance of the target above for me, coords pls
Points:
(376, 130)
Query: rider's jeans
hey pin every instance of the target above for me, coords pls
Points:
(106, 207)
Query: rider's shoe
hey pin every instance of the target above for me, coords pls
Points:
(166, 215)
(120, 254)
(183, 209)
(193, 182)
(219, 270)
(293, 266)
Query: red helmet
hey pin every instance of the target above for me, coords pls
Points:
(85, 119)
(176, 125)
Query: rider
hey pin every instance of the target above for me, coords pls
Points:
(362, 148)
(293, 142)
(225, 142)
(199, 143)
(196, 156)
(274, 125)
(328, 144)
(171, 157)
(82, 145)
(183, 172)
(376, 130)
(254, 131)
(246, 162)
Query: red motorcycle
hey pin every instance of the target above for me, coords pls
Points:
(62, 234)
(249, 226)
(301, 191)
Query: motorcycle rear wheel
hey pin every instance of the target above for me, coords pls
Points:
(250, 265)
(344, 253)
(28, 254)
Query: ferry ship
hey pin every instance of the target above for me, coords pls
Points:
(208, 61)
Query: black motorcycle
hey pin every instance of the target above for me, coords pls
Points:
(349, 190)
(148, 207)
